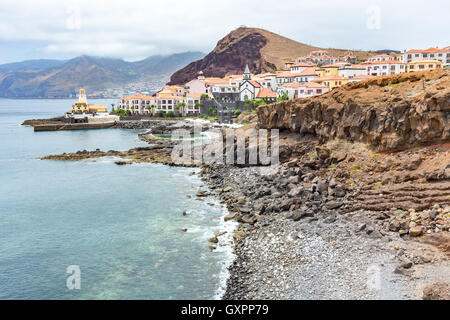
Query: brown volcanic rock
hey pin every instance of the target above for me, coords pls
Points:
(388, 113)
(262, 50)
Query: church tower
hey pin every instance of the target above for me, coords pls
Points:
(247, 73)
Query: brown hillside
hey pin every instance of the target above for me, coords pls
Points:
(262, 50)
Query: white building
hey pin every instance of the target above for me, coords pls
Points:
(442, 55)
(380, 57)
(384, 68)
(301, 66)
(306, 75)
(248, 88)
(138, 104)
(352, 70)
(301, 90)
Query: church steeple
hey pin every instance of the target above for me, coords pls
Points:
(247, 73)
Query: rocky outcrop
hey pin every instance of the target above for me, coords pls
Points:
(388, 113)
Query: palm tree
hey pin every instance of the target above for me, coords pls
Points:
(150, 108)
(180, 106)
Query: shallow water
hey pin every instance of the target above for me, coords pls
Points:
(120, 224)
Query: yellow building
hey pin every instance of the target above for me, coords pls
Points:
(423, 65)
(328, 70)
(82, 106)
(331, 81)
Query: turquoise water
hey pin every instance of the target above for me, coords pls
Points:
(120, 224)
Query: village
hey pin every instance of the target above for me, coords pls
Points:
(311, 75)
(224, 98)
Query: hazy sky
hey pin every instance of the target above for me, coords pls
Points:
(31, 29)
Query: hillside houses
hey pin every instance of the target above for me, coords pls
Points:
(311, 75)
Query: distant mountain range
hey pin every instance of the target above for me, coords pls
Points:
(63, 78)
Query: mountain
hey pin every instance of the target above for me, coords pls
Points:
(38, 64)
(262, 50)
(63, 78)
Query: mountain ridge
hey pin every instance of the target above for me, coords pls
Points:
(46, 78)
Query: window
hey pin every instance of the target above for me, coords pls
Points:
(425, 55)
(411, 67)
(421, 66)
(430, 66)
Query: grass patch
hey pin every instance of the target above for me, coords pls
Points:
(313, 154)
(375, 156)
(377, 185)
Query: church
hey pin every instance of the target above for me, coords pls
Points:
(248, 88)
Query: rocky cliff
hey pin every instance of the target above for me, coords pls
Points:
(387, 113)
(262, 50)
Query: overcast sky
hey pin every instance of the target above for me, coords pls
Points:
(133, 30)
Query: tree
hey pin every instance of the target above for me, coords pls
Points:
(171, 114)
(180, 106)
(112, 107)
(203, 96)
(283, 97)
(237, 112)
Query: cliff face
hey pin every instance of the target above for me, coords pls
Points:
(262, 50)
(230, 56)
(388, 113)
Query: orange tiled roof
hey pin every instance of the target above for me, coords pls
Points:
(292, 85)
(255, 84)
(304, 64)
(266, 93)
(283, 74)
(313, 85)
(137, 96)
(379, 56)
(194, 95)
(307, 72)
(429, 50)
(325, 78)
(213, 81)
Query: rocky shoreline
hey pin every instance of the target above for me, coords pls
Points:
(314, 252)
(331, 221)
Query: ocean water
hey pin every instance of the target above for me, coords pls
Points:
(121, 225)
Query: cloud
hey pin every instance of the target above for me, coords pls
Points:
(136, 29)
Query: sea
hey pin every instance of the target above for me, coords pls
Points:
(94, 230)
